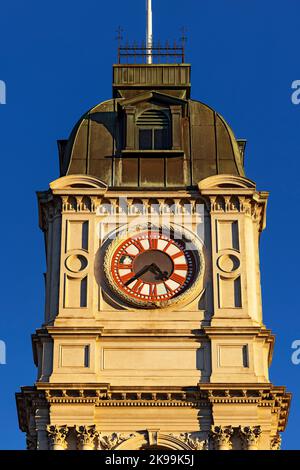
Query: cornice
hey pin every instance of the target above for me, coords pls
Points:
(78, 330)
(203, 396)
(259, 331)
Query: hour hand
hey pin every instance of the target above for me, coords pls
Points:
(138, 274)
(156, 269)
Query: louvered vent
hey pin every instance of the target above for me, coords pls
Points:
(153, 118)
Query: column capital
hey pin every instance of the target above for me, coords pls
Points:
(58, 436)
(276, 442)
(221, 436)
(250, 437)
(86, 436)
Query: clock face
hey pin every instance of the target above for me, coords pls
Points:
(152, 268)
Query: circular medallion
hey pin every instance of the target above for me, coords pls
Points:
(228, 263)
(151, 268)
(76, 263)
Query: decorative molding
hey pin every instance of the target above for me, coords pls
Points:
(111, 441)
(121, 206)
(193, 442)
(226, 182)
(149, 95)
(78, 182)
(156, 404)
(102, 395)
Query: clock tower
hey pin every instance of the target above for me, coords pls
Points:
(153, 335)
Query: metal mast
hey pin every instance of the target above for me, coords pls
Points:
(149, 34)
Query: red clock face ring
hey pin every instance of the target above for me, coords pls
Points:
(152, 267)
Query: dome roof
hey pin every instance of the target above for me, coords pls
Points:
(105, 143)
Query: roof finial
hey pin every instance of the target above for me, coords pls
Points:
(149, 34)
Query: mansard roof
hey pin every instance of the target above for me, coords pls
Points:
(203, 143)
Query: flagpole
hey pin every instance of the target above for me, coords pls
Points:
(149, 33)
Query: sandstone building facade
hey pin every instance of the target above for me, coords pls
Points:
(153, 335)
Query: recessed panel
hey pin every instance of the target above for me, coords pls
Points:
(152, 172)
(229, 291)
(233, 355)
(153, 359)
(75, 294)
(228, 235)
(76, 355)
(77, 235)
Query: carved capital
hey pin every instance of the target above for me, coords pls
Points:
(250, 437)
(221, 436)
(31, 441)
(58, 436)
(86, 436)
(276, 442)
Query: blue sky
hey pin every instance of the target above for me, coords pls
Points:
(56, 58)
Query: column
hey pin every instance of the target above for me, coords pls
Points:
(41, 422)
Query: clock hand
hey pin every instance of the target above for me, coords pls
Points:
(152, 267)
(138, 274)
(156, 269)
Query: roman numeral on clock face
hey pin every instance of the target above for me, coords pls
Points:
(153, 243)
(168, 287)
(138, 245)
(176, 255)
(137, 286)
(153, 290)
(180, 267)
(177, 278)
(125, 266)
(168, 245)
(126, 277)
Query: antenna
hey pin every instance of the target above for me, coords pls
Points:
(149, 34)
